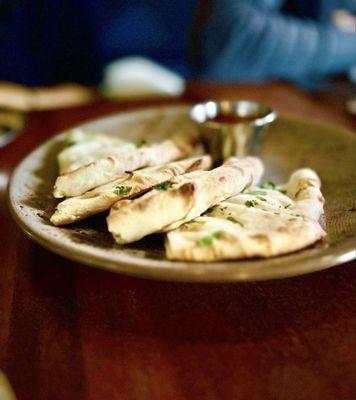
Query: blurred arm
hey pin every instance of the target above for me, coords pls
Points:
(252, 40)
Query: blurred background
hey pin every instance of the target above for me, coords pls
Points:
(48, 42)
(123, 48)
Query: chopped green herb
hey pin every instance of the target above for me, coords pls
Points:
(261, 198)
(70, 143)
(122, 190)
(268, 185)
(283, 191)
(164, 185)
(256, 192)
(287, 206)
(250, 203)
(205, 241)
(129, 172)
(208, 240)
(140, 143)
(217, 234)
(114, 208)
(292, 219)
(235, 221)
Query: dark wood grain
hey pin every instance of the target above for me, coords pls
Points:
(68, 331)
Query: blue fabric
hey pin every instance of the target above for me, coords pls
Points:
(48, 41)
(251, 40)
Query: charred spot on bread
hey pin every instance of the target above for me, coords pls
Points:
(187, 189)
(195, 165)
(260, 237)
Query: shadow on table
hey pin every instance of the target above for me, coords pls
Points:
(202, 312)
(86, 323)
(43, 358)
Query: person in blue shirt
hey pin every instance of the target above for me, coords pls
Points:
(253, 40)
(46, 42)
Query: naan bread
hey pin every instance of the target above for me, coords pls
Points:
(105, 170)
(82, 147)
(131, 185)
(181, 199)
(256, 223)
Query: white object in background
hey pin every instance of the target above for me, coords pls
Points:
(140, 77)
(344, 20)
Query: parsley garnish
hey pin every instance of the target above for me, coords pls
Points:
(208, 240)
(140, 143)
(70, 143)
(268, 185)
(250, 203)
(122, 190)
(261, 198)
(292, 219)
(282, 191)
(235, 221)
(288, 205)
(164, 185)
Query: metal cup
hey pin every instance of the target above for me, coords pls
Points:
(231, 128)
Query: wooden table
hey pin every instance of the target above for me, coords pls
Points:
(68, 331)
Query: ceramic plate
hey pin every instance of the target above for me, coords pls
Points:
(289, 144)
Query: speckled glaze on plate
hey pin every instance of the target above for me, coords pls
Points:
(288, 145)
